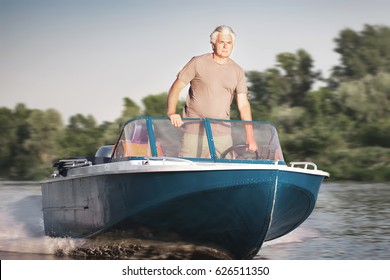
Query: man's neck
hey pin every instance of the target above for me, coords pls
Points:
(220, 60)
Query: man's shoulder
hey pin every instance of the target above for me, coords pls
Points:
(236, 65)
(206, 56)
(199, 59)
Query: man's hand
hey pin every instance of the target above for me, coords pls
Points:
(176, 120)
(173, 97)
(252, 146)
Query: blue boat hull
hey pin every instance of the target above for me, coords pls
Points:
(231, 210)
(295, 200)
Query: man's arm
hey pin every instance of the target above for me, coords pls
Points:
(244, 108)
(173, 98)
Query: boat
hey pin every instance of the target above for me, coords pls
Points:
(219, 195)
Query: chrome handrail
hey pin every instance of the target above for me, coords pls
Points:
(305, 164)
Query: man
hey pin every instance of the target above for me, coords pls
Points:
(215, 80)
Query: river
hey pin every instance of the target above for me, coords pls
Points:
(351, 221)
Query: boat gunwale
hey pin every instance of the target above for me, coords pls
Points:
(130, 168)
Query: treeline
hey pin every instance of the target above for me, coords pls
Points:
(340, 122)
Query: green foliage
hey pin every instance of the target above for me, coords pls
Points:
(28, 142)
(359, 164)
(131, 110)
(7, 136)
(363, 53)
(298, 74)
(366, 99)
(110, 132)
(42, 141)
(81, 138)
(155, 105)
(375, 134)
(287, 83)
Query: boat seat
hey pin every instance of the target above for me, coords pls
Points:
(138, 145)
(133, 149)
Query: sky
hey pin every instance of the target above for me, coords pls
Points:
(85, 56)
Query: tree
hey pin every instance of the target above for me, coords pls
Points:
(286, 84)
(20, 165)
(362, 53)
(156, 105)
(367, 103)
(298, 71)
(42, 144)
(266, 91)
(131, 110)
(367, 99)
(81, 138)
(7, 136)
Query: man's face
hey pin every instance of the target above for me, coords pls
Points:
(223, 46)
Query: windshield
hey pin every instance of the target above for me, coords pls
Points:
(204, 139)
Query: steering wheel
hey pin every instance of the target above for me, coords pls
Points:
(239, 150)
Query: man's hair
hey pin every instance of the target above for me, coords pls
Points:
(224, 29)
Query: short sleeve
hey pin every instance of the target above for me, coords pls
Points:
(242, 87)
(187, 74)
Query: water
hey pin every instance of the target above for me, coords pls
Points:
(350, 222)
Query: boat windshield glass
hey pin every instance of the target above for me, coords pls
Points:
(198, 138)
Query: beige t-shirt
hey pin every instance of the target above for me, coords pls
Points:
(212, 87)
